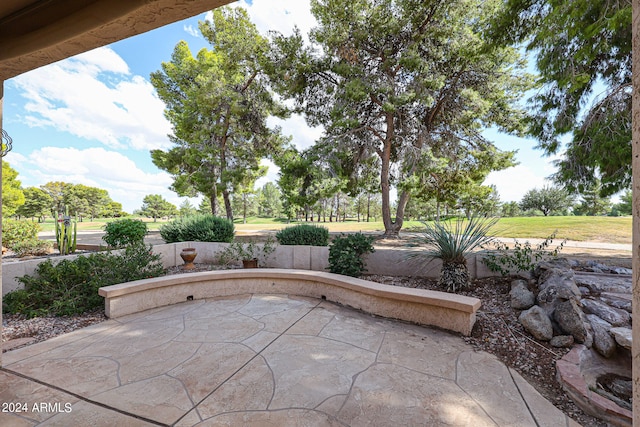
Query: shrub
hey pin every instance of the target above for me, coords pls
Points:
(71, 286)
(198, 228)
(124, 232)
(33, 247)
(346, 253)
(304, 234)
(522, 258)
(239, 251)
(451, 243)
(17, 231)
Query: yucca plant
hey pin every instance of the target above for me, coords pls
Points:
(451, 242)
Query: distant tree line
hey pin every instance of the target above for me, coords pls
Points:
(54, 198)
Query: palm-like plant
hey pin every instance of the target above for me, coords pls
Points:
(451, 242)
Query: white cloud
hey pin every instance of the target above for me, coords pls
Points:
(279, 16)
(304, 136)
(94, 96)
(97, 167)
(271, 176)
(192, 31)
(514, 182)
(15, 159)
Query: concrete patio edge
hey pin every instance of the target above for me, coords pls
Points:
(448, 311)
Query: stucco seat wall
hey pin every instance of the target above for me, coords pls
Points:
(448, 311)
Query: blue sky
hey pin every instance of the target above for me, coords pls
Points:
(93, 118)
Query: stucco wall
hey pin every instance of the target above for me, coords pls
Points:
(384, 261)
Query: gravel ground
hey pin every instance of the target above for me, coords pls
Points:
(42, 328)
(496, 331)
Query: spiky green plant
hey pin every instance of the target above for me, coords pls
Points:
(451, 242)
(66, 234)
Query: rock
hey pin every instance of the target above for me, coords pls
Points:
(598, 283)
(562, 341)
(537, 323)
(558, 284)
(622, 270)
(573, 263)
(521, 297)
(603, 342)
(623, 337)
(543, 267)
(570, 319)
(615, 316)
(621, 301)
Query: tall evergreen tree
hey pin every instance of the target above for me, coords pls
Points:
(547, 200)
(269, 201)
(592, 203)
(12, 195)
(404, 80)
(218, 104)
(155, 206)
(578, 44)
(37, 204)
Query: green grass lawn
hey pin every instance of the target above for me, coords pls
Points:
(98, 223)
(580, 228)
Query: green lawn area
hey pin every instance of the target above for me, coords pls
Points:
(98, 223)
(580, 228)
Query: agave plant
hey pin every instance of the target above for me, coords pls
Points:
(451, 242)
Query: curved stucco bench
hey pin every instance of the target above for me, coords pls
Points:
(448, 311)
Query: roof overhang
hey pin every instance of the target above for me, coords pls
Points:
(34, 33)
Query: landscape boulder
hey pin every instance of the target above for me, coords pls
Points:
(615, 316)
(621, 301)
(559, 283)
(521, 297)
(623, 337)
(571, 320)
(545, 268)
(537, 323)
(562, 341)
(603, 342)
(598, 283)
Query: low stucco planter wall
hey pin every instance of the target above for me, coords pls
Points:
(448, 311)
(384, 261)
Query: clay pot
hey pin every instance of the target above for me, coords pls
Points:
(250, 263)
(188, 255)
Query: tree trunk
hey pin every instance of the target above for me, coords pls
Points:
(213, 201)
(384, 189)
(244, 208)
(227, 205)
(454, 276)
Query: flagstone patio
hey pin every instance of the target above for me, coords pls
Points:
(256, 360)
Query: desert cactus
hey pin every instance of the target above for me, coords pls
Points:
(66, 234)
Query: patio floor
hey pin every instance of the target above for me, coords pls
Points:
(263, 360)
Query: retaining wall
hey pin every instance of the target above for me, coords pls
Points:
(449, 311)
(384, 261)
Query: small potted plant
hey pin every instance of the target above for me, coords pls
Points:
(250, 253)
